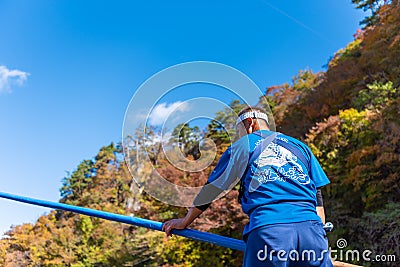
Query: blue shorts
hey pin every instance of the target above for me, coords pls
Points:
(288, 244)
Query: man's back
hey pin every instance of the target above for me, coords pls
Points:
(277, 186)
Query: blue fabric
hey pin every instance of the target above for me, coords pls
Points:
(299, 244)
(277, 185)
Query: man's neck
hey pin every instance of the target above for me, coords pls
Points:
(260, 128)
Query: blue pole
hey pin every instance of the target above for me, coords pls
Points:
(153, 225)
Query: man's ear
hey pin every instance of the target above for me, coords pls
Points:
(251, 125)
(253, 122)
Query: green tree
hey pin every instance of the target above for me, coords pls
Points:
(376, 96)
(187, 139)
(75, 184)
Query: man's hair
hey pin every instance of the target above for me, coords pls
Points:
(252, 108)
(256, 109)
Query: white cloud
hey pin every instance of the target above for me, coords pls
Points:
(11, 77)
(161, 112)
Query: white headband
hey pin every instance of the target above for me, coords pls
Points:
(252, 114)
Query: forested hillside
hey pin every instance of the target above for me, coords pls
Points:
(350, 117)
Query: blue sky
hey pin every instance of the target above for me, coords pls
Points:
(70, 68)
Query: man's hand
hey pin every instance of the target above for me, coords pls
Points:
(191, 215)
(173, 224)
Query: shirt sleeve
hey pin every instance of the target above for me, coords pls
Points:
(317, 173)
(221, 166)
(209, 192)
(225, 175)
(320, 201)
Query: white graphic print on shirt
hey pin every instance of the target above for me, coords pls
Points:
(275, 163)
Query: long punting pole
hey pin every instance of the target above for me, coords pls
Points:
(189, 233)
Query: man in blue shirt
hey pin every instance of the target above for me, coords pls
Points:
(280, 192)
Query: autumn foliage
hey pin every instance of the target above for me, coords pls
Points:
(349, 115)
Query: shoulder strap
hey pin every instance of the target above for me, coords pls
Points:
(254, 155)
(295, 151)
(262, 145)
